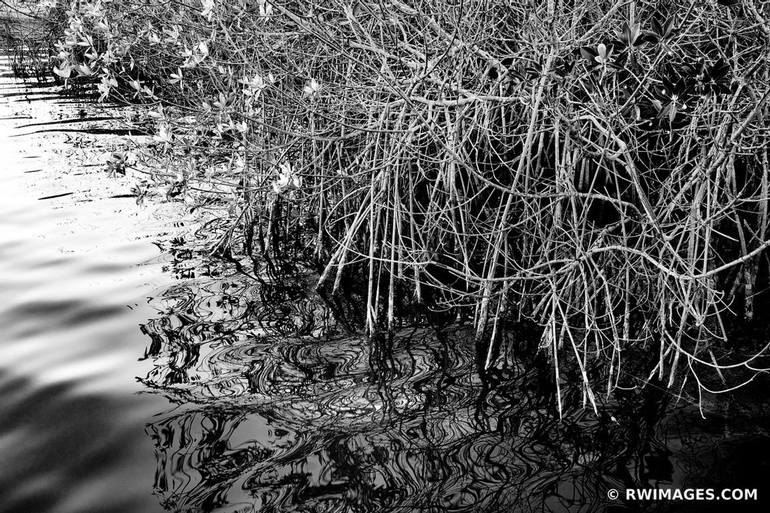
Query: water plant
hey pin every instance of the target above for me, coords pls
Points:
(598, 169)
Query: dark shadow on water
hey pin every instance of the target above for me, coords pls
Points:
(33, 96)
(92, 131)
(281, 411)
(69, 121)
(62, 447)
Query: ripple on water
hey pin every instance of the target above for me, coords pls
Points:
(62, 450)
(281, 422)
(72, 293)
(275, 409)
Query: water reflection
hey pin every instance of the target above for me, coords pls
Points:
(275, 416)
(276, 407)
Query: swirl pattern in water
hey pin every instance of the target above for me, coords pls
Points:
(277, 411)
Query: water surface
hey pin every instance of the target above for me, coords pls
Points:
(139, 380)
(76, 271)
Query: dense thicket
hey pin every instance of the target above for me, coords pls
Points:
(598, 168)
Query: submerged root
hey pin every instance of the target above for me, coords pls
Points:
(595, 169)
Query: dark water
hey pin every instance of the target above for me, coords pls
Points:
(271, 420)
(135, 380)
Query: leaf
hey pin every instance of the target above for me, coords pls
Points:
(625, 33)
(670, 27)
(603, 53)
(64, 71)
(664, 31)
(669, 111)
(84, 70)
(588, 53)
(629, 34)
(672, 112)
(176, 77)
(719, 70)
(311, 88)
(649, 36)
(657, 27)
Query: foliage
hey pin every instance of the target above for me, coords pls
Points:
(28, 29)
(599, 168)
